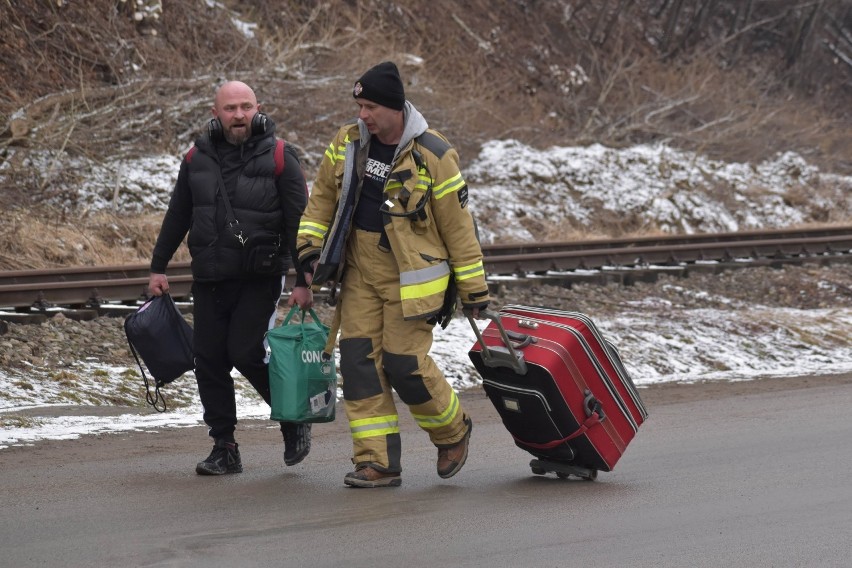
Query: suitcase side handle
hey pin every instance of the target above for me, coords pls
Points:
(522, 339)
(500, 356)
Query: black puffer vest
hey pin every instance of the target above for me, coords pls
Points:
(216, 252)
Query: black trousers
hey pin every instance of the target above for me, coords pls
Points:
(230, 319)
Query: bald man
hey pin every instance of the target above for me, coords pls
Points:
(235, 300)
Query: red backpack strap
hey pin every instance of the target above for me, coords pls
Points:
(189, 154)
(279, 157)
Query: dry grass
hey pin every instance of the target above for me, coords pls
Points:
(43, 239)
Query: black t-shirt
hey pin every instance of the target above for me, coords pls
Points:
(379, 161)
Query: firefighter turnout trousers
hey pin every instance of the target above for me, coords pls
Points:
(380, 351)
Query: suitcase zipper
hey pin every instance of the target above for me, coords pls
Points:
(519, 390)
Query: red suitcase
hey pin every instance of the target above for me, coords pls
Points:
(559, 387)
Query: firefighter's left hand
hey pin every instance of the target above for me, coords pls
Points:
(302, 296)
(475, 311)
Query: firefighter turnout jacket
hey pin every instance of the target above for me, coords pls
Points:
(427, 224)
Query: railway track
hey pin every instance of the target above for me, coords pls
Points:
(108, 288)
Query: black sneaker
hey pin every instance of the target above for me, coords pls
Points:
(297, 442)
(225, 458)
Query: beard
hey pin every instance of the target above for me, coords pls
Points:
(237, 137)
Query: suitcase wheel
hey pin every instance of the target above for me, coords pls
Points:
(562, 470)
(591, 475)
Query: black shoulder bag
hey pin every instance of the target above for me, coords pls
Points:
(261, 248)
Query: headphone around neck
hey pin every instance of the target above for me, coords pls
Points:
(259, 124)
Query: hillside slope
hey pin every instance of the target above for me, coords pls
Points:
(105, 84)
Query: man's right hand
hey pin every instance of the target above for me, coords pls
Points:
(158, 284)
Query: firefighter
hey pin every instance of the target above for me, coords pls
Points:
(387, 221)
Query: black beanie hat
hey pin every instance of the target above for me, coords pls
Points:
(381, 84)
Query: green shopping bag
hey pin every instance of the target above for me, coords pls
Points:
(303, 383)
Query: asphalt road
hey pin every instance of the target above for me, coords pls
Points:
(720, 475)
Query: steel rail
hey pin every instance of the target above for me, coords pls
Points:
(141, 270)
(95, 286)
(590, 259)
(665, 240)
(71, 274)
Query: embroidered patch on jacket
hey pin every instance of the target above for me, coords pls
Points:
(462, 193)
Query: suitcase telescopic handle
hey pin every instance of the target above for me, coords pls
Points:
(500, 356)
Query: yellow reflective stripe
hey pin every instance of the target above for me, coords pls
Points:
(423, 182)
(453, 184)
(424, 282)
(313, 229)
(427, 274)
(446, 417)
(394, 184)
(414, 291)
(378, 426)
(469, 271)
(329, 152)
(333, 155)
(341, 150)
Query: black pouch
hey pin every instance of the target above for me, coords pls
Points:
(163, 339)
(262, 253)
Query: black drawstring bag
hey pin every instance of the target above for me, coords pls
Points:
(163, 339)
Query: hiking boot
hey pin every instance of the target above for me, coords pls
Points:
(452, 458)
(297, 442)
(225, 458)
(365, 475)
